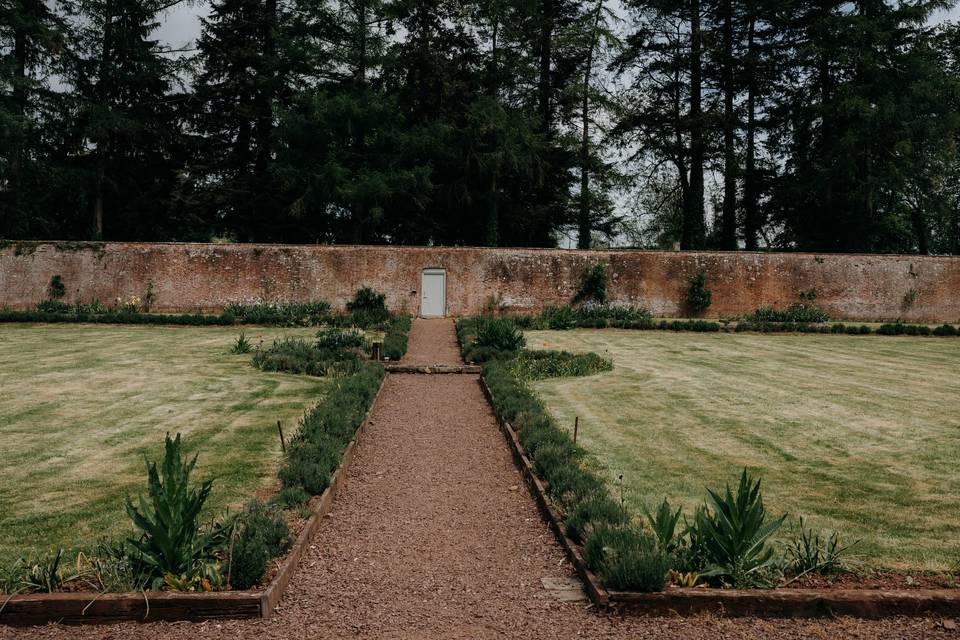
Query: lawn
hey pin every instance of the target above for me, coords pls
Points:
(858, 434)
(81, 405)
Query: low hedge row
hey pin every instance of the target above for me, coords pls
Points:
(119, 317)
(705, 326)
(396, 338)
(325, 430)
(801, 327)
(622, 555)
(539, 365)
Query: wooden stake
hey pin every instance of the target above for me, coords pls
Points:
(576, 427)
(283, 445)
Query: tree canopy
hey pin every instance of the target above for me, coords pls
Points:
(759, 124)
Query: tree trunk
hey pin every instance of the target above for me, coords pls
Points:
(493, 214)
(264, 105)
(20, 54)
(751, 226)
(728, 234)
(103, 95)
(357, 209)
(583, 240)
(544, 84)
(693, 222)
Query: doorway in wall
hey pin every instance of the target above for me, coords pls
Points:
(433, 293)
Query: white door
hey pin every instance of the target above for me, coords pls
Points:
(433, 291)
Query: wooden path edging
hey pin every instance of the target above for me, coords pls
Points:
(595, 590)
(763, 603)
(433, 368)
(89, 608)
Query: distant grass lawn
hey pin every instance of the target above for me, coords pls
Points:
(858, 434)
(80, 405)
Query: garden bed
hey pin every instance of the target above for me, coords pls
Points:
(87, 608)
(813, 601)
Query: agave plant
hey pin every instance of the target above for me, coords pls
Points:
(172, 542)
(664, 523)
(734, 531)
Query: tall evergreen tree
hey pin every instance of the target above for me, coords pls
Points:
(126, 126)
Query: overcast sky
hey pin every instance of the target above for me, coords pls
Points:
(181, 25)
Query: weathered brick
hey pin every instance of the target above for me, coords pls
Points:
(188, 277)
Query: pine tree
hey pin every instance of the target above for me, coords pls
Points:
(125, 115)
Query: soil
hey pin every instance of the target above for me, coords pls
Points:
(888, 580)
(435, 536)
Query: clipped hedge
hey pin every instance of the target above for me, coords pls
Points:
(538, 365)
(395, 340)
(326, 429)
(622, 556)
(119, 317)
(296, 355)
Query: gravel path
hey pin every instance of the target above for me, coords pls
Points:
(435, 536)
(433, 341)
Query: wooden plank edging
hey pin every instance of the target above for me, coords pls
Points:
(764, 603)
(321, 507)
(595, 590)
(433, 368)
(91, 608)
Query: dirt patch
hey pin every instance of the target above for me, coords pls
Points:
(879, 580)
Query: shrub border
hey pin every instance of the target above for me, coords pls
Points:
(765, 603)
(86, 608)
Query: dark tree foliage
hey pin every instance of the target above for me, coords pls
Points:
(760, 124)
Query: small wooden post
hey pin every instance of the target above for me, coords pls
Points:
(283, 445)
(576, 428)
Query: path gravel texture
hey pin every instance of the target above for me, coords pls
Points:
(435, 536)
(433, 341)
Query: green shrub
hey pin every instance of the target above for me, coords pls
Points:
(559, 318)
(802, 312)
(285, 314)
(610, 313)
(663, 522)
(333, 338)
(593, 285)
(539, 365)
(396, 338)
(899, 329)
(242, 345)
(945, 330)
(310, 462)
(734, 533)
(45, 572)
(501, 334)
(293, 496)
(263, 535)
(248, 563)
(53, 306)
(699, 296)
(296, 355)
(56, 289)
(368, 308)
(627, 560)
(810, 552)
(596, 512)
(315, 452)
(172, 541)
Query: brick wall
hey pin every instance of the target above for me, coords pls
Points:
(189, 277)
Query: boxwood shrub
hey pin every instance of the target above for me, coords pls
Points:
(315, 451)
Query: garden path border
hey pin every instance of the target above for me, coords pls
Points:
(87, 608)
(763, 603)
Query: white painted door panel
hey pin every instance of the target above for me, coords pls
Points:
(433, 289)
